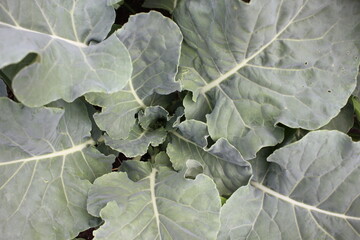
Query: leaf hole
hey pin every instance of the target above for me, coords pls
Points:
(306, 63)
(329, 91)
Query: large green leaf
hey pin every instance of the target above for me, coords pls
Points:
(162, 205)
(60, 33)
(47, 165)
(222, 162)
(311, 191)
(266, 62)
(154, 45)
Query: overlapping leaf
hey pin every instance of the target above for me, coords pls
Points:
(222, 162)
(46, 166)
(311, 191)
(138, 141)
(162, 205)
(154, 45)
(62, 33)
(265, 62)
(149, 130)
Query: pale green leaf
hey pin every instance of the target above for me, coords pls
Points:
(168, 5)
(176, 119)
(138, 141)
(311, 191)
(162, 159)
(269, 62)
(60, 32)
(154, 45)
(136, 170)
(149, 131)
(162, 205)
(47, 165)
(153, 117)
(193, 168)
(259, 165)
(222, 162)
(196, 105)
(197, 110)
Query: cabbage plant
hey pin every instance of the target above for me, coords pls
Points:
(232, 119)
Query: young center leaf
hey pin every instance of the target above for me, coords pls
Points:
(64, 35)
(47, 165)
(162, 205)
(154, 45)
(310, 191)
(265, 62)
(145, 133)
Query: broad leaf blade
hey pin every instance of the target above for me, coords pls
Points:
(46, 166)
(154, 45)
(274, 61)
(222, 162)
(60, 32)
(311, 191)
(163, 205)
(138, 141)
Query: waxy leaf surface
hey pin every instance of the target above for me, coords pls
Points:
(265, 62)
(162, 205)
(154, 45)
(65, 35)
(311, 191)
(222, 162)
(47, 165)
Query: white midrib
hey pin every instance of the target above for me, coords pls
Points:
(300, 204)
(55, 37)
(140, 102)
(152, 178)
(74, 149)
(237, 67)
